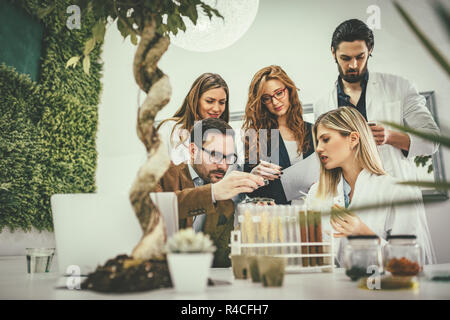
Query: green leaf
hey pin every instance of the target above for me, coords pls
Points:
(209, 11)
(73, 61)
(5, 186)
(43, 12)
(427, 184)
(86, 64)
(443, 14)
(443, 140)
(151, 4)
(89, 46)
(162, 29)
(174, 22)
(169, 7)
(123, 28)
(182, 26)
(191, 12)
(134, 39)
(440, 59)
(371, 206)
(98, 31)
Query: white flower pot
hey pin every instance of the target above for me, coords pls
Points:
(189, 271)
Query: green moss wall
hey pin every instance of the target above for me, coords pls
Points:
(48, 128)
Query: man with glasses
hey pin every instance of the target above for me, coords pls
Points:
(204, 188)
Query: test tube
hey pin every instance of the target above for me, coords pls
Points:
(281, 229)
(318, 233)
(264, 229)
(249, 227)
(257, 227)
(311, 236)
(292, 234)
(241, 220)
(296, 231)
(285, 239)
(273, 230)
(304, 232)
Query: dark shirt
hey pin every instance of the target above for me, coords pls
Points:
(274, 189)
(344, 99)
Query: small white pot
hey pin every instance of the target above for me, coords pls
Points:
(189, 271)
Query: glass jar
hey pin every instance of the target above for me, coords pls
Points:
(402, 255)
(362, 256)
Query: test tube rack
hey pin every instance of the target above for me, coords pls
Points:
(290, 231)
(328, 255)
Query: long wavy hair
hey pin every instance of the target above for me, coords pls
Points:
(188, 113)
(257, 116)
(346, 120)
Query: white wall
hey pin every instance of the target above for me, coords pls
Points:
(293, 34)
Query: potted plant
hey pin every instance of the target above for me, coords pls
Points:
(189, 256)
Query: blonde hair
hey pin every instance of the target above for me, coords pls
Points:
(347, 120)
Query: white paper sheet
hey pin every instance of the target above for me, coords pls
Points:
(167, 204)
(300, 177)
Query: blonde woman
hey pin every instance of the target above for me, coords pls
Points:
(207, 98)
(351, 173)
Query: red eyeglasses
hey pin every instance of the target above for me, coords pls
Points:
(267, 98)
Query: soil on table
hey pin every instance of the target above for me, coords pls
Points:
(125, 274)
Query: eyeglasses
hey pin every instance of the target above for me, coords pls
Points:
(268, 99)
(217, 157)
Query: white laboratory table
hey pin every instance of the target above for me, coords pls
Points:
(15, 283)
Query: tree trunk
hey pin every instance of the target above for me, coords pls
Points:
(153, 81)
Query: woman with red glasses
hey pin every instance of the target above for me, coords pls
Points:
(275, 136)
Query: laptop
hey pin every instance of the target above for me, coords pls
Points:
(93, 228)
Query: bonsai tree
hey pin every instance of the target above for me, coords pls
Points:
(148, 23)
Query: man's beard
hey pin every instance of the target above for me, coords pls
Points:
(208, 178)
(353, 78)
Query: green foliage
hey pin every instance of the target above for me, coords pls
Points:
(442, 139)
(427, 184)
(422, 161)
(48, 129)
(443, 15)
(132, 16)
(435, 53)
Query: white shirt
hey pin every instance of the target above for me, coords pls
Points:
(291, 147)
(199, 220)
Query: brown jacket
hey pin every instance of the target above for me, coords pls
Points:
(198, 200)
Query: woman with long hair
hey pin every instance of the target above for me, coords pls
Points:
(207, 98)
(275, 134)
(352, 175)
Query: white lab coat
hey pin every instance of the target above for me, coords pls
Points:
(372, 189)
(395, 99)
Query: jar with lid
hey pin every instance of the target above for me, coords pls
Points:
(403, 255)
(362, 256)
